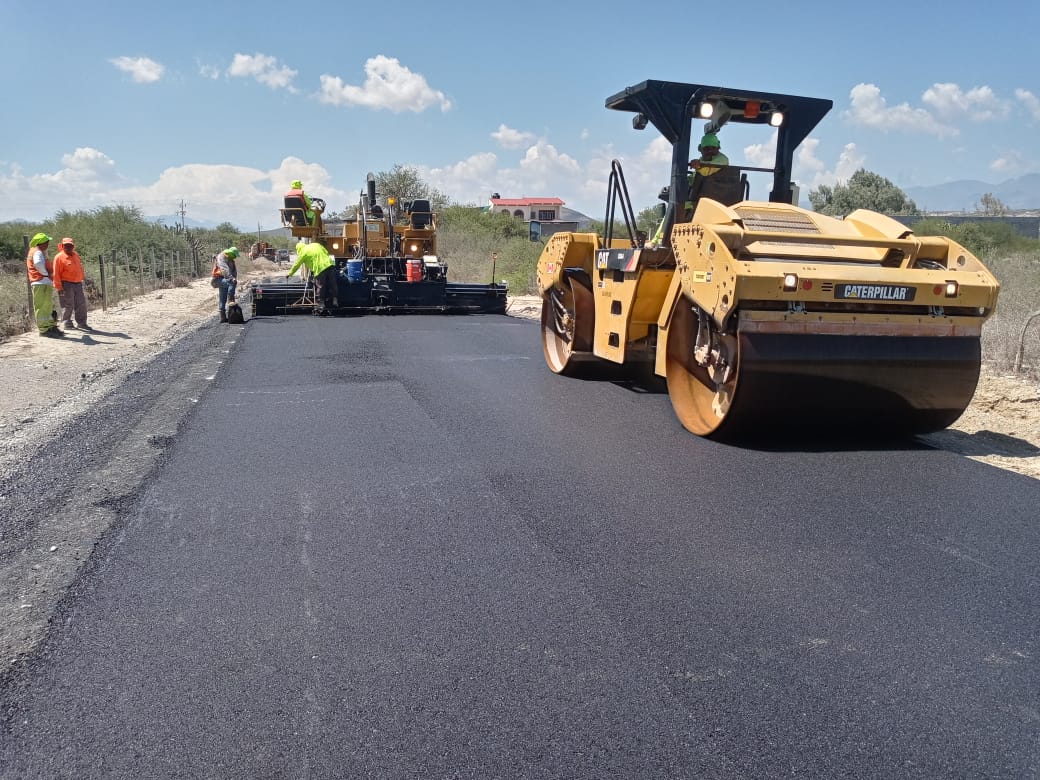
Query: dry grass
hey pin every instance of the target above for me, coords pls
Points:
(1019, 276)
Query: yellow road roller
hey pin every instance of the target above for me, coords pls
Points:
(762, 315)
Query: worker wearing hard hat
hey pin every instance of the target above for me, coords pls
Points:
(322, 267)
(709, 163)
(296, 191)
(68, 281)
(225, 279)
(41, 279)
(711, 157)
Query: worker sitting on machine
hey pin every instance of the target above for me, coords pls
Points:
(296, 198)
(709, 163)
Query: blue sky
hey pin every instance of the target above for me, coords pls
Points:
(222, 106)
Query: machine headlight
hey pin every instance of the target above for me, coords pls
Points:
(790, 282)
(776, 119)
(952, 288)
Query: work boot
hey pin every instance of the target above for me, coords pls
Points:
(223, 316)
(53, 332)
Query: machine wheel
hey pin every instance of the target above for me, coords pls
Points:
(568, 320)
(701, 390)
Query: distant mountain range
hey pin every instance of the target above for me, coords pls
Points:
(1021, 193)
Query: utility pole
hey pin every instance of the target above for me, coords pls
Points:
(182, 212)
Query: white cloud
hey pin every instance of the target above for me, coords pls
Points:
(979, 104)
(811, 172)
(388, 84)
(762, 155)
(869, 109)
(541, 170)
(141, 69)
(264, 69)
(1010, 162)
(1030, 101)
(508, 138)
(468, 182)
(806, 163)
(213, 193)
(209, 71)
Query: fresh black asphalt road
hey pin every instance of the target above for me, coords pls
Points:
(399, 547)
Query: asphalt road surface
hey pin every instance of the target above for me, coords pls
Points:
(398, 547)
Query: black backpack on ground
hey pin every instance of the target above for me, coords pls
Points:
(234, 314)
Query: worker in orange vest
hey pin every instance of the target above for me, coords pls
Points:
(41, 271)
(68, 281)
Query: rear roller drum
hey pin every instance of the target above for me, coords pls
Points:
(568, 318)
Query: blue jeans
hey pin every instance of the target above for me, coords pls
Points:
(226, 291)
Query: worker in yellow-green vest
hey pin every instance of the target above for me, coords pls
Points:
(41, 280)
(322, 267)
(707, 164)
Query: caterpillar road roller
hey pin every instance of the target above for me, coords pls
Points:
(386, 260)
(758, 314)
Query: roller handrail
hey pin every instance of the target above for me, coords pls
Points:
(616, 188)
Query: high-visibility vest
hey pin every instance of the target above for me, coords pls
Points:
(35, 275)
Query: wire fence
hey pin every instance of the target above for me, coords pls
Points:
(110, 278)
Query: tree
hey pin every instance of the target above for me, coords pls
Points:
(404, 183)
(991, 206)
(864, 190)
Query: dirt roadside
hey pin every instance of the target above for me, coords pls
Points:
(44, 382)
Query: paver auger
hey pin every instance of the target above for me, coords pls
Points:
(760, 314)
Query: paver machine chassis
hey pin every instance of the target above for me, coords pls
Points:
(382, 265)
(760, 314)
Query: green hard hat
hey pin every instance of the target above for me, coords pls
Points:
(39, 238)
(710, 139)
(297, 184)
(231, 252)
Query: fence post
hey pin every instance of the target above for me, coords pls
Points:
(1022, 341)
(31, 311)
(104, 287)
(115, 277)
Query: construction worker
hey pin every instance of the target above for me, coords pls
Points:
(225, 279)
(41, 279)
(322, 268)
(296, 191)
(68, 281)
(708, 164)
(710, 160)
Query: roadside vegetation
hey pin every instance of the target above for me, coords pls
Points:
(483, 247)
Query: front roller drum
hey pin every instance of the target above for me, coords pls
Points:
(852, 386)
